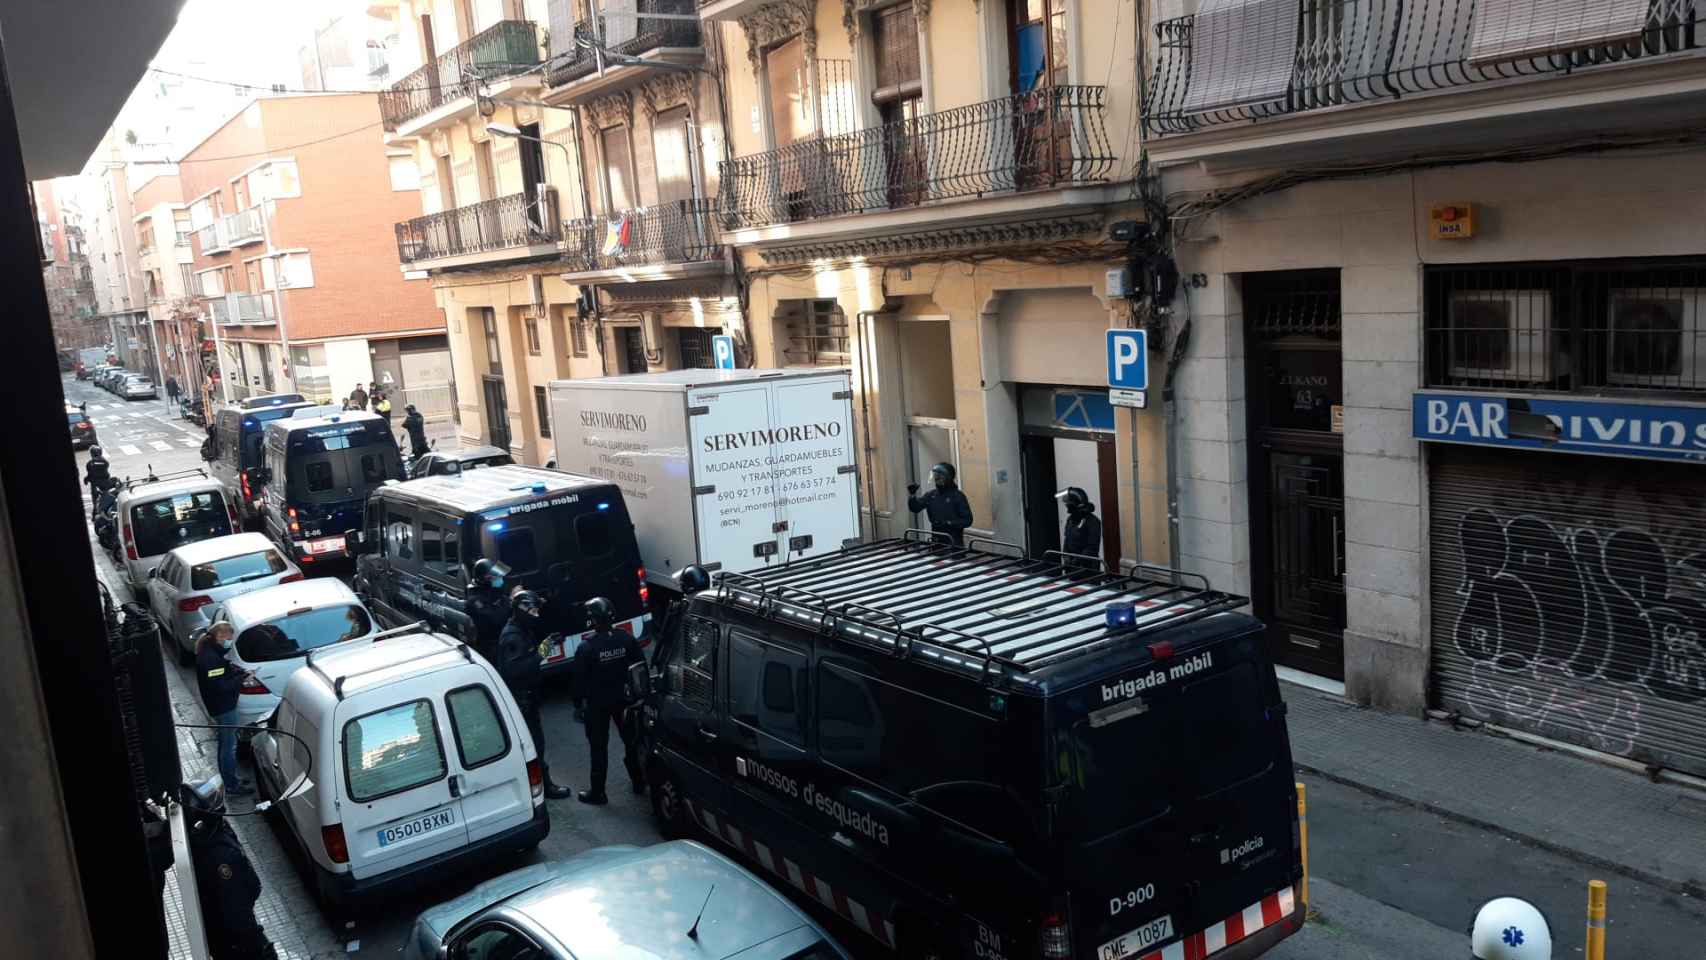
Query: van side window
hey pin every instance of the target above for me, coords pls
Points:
(480, 734)
(693, 669)
(432, 543)
(400, 533)
(592, 533)
(392, 750)
(318, 474)
(516, 550)
(871, 729)
(372, 468)
(768, 688)
(452, 562)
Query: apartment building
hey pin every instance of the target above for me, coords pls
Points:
(66, 273)
(165, 256)
(291, 206)
(120, 301)
(1443, 413)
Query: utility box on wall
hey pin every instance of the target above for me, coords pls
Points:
(1451, 221)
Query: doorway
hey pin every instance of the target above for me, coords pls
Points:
(631, 349)
(1067, 440)
(1296, 466)
(497, 411)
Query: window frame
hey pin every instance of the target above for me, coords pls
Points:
(530, 325)
(456, 729)
(343, 752)
(805, 714)
(542, 404)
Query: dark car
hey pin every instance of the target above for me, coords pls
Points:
(982, 754)
(82, 431)
(441, 462)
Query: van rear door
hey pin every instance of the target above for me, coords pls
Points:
(395, 764)
(734, 494)
(1183, 808)
(488, 754)
(817, 494)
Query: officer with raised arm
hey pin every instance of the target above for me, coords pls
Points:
(601, 676)
(946, 505)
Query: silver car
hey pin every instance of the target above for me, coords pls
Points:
(136, 386)
(192, 579)
(277, 626)
(624, 902)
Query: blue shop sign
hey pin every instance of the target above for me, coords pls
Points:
(1083, 410)
(1563, 425)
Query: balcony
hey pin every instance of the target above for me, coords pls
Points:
(213, 238)
(664, 242)
(244, 228)
(502, 50)
(515, 227)
(669, 41)
(236, 309)
(1301, 78)
(1045, 139)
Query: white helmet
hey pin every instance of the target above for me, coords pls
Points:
(1510, 929)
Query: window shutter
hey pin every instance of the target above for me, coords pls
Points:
(1242, 53)
(1508, 29)
(561, 14)
(894, 43)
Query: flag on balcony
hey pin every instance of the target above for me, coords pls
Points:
(616, 235)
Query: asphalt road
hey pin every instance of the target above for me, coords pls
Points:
(1389, 881)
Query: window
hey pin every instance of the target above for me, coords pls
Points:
(693, 669)
(767, 688)
(392, 750)
(618, 168)
(870, 728)
(451, 560)
(230, 570)
(495, 941)
(695, 345)
(481, 736)
(158, 526)
(577, 333)
(400, 534)
(516, 550)
(319, 475)
(1039, 38)
(295, 271)
(593, 534)
(790, 106)
(187, 278)
(432, 544)
(301, 631)
(543, 405)
(283, 180)
(212, 283)
(670, 139)
(531, 326)
(373, 468)
(405, 175)
(494, 352)
(817, 334)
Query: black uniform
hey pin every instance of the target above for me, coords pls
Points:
(489, 609)
(518, 663)
(1083, 535)
(227, 888)
(218, 680)
(98, 474)
(415, 425)
(601, 675)
(948, 509)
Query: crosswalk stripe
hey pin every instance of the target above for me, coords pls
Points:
(160, 445)
(129, 450)
(190, 442)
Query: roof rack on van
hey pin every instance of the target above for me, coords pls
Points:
(975, 608)
(419, 626)
(133, 482)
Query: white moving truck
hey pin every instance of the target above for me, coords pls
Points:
(730, 469)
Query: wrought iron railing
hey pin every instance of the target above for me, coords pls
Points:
(681, 232)
(626, 34)
(498, 224)
(1358, 51)
(1050, 137)
(504, 49)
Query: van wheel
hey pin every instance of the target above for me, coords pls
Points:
(669, 804)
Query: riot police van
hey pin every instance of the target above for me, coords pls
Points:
(564, 537)
(238, 452)
(319, 471)
(972, 754)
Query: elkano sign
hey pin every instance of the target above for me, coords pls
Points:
(1607, 428)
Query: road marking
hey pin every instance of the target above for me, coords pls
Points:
(160, 445)
(129, 450)
(190, 442)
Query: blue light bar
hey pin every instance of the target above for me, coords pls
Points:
(495, 526)
(1120, 613)
(604, 506)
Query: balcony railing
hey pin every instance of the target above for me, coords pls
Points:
(1050, 137)
(1239, 66)
(245, 227)
(213, 238)
(499, 224)
(504, 49)
(681, 232)
(626, 34)
(238, 308)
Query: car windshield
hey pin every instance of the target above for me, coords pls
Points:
(299, 631)
(230, 570)
(161, 525)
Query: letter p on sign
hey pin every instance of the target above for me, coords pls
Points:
(723, 350)
(1128, 359)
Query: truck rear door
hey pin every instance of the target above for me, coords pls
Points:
(817, 494)
(1184, 806)
(734, 492)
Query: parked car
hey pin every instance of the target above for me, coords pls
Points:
(138, 386)
(82, 431)
(79, 371)
(277, 626)
(440, 462)
(193, 579)
(159, 514)
(606, 902)
(417, 765)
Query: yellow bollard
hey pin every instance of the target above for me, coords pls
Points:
(1596, 920)
(1303, 841)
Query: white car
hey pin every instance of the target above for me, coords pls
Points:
(400, 761)
(136, 385)
(191, 580)
(158, 516)
(277, 626)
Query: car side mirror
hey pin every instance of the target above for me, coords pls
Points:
(195, 637)
(153, 573)
(355, 543)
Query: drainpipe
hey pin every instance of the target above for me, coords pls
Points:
(1175, 356)
(864, 321)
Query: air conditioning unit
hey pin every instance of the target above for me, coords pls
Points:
(1503, 335)
(1655, 338)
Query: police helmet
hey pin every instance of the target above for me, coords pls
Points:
(94, 451)
(204, 805)
(526, 601)
(945, 469)
(601, 613)
(1074, 498)
(693, 579)
(487, 570)
(1510, 929)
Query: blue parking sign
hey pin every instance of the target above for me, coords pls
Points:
(723, 350)
(1128, 359)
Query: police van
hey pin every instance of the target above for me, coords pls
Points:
(239, 452)
(970, 753)
(564, 537)
(319, 471)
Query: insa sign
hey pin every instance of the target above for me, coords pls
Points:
(1564, 425)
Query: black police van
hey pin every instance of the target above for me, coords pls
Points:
(972, 754)
(565, 537)
(239, 447)
(319, 471)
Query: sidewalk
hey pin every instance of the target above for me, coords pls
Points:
(1599, 815)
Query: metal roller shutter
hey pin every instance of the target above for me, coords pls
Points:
(1569, 599)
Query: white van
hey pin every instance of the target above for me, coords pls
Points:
(159, 514)
(417, 764)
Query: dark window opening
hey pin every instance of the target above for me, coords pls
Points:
(542, 404)
(515, 550)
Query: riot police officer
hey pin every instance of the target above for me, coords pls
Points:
(226, 884)
(97, 474)
(487, 606)
(1082, 537)
(946, 505)
(601, 675)
(518, 662)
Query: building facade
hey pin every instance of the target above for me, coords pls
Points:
(1441, 412)
(291, 206)
(166, 259)
(120, 301)
(66, 272)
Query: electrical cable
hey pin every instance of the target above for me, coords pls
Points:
(275, 151)
(309, 765)
(257, 87)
